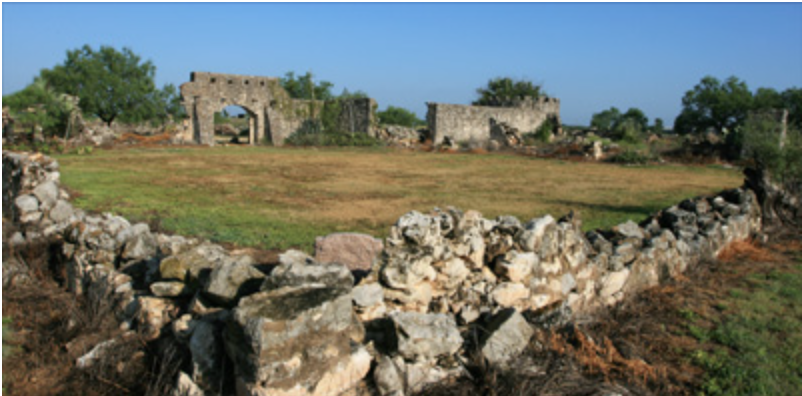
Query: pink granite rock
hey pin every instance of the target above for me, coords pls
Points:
(355, 251)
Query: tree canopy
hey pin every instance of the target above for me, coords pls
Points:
(40, 105)
(111, 84)
(304, 87)
(504, 91)
(713, 104)
(399, 116)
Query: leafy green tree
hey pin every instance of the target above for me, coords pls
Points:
(111, 84)
(658, 126)
(606, 120)
(638, 118)
(304, 87)
(358, 94)
(716, 105)
(504, 91)
(39, 105)
(792, 100)
(399, 116)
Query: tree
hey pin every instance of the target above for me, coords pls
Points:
(38, 105)
(711, 104)
(658, 126)
(606, 120)
(111, 84)
(638, 118)
(792, 100)
(504, 92)
(399, 116)
(304, 87)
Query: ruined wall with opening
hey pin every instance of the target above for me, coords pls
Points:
(472, 123)
(275, 114)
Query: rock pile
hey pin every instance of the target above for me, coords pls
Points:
(504, 134)
(444, 286)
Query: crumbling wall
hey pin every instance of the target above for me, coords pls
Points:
(275, 114)
(472, 123)
(302, 328)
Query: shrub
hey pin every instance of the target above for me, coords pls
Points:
(312, 134)
(631, 157)
(399, 116)
(759, 140)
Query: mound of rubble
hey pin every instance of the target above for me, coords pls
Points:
(443, 287)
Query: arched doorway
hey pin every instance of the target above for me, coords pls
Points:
(234, 124)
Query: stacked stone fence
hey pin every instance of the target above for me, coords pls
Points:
(307, 327)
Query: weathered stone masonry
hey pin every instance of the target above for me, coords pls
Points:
(465, 123)
(274, 114)
(302, 328)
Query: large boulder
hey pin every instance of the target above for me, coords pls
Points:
(355, 251)
(295, 340)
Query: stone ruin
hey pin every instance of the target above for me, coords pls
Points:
(274, 115)
(443, 286)
(462, 123)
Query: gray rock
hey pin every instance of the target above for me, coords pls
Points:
(233, 279)
(61, 211)
(629, 230)
(291, 337)
(47, 193)
(533, 233)
(297, 269)
(418, 229)
(389, 375)
(425, 336)
(368, 295)
(26, 204)
(168, 289)
(206, 347)
(505, 337)
(355, 251)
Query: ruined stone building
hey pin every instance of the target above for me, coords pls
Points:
(274, 115)
(473, 123)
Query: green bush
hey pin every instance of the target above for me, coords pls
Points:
(399, 116)
(312, 134)
(631, 157)
(759, 140)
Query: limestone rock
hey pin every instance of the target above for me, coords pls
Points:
(508, 294)
(47, 193)
(355, 251)
(61, 211)
(153, 313)
(533, 233)
(288, 339)
(297, 269)
(518, 267)
(235, 278)
(629, 230)
(425, 336)
(368, 295)
(168, 289)
(389, 375)
(505, 337)
(186, 387)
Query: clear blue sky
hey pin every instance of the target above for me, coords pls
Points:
(591, 56)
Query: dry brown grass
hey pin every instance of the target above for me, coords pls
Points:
(328, 190)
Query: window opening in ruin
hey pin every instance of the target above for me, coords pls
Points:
(247, 82)
(262, 83)
(231, 81)
(213, 80)
(232, 125)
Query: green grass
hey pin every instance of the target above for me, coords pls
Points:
(283, 197)
(757, 343)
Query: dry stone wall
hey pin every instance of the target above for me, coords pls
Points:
(472, 123)
(306, 328)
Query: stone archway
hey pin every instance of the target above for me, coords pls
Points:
(208, 93)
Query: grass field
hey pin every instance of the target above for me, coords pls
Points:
(277, 198)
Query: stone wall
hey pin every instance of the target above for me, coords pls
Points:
(472, 123)
(275, 114)
(305, 327)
